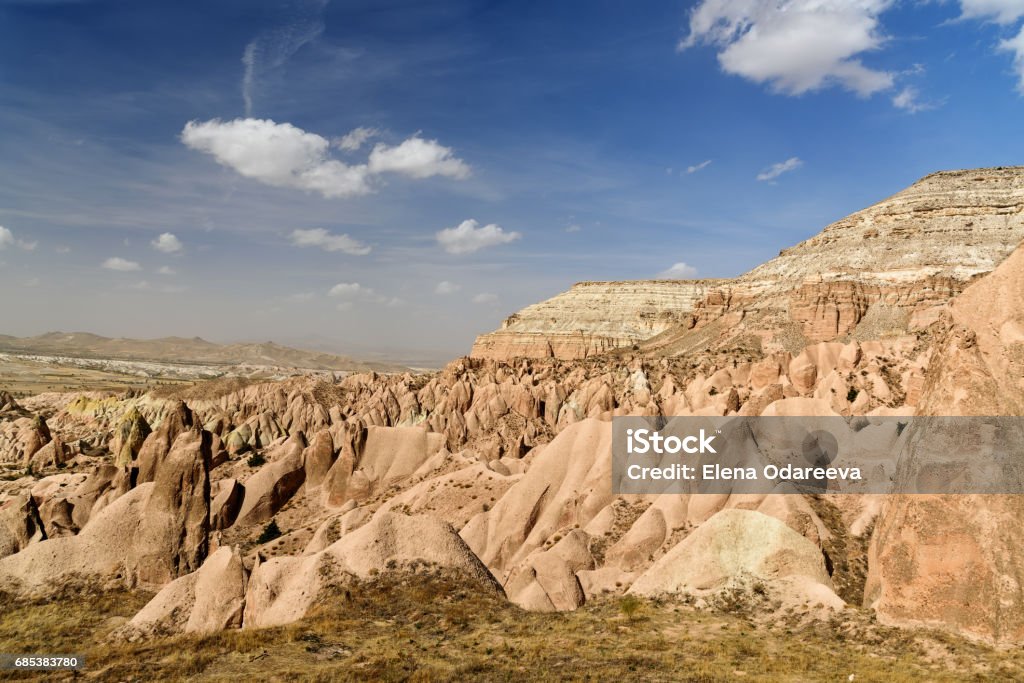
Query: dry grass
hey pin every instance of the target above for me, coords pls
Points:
(419, 628)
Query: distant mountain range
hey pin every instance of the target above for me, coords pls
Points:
(182, 350)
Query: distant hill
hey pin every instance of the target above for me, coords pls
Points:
(182, 350)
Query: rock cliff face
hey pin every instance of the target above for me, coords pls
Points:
(594, 317)
(891, 266)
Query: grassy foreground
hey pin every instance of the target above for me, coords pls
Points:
(435, 628)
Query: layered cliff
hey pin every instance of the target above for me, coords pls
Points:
(594, 317)
(891, 266)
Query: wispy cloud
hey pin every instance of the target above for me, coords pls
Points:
(7, 239)
(1015, 45)
(272, 49)
(775, 170)
(348, 290)
(445, 288)
(485, 298)
(120, 264)
(678, 271)
(355, 139)
(318, 237)
(908, 99)
(698, 167)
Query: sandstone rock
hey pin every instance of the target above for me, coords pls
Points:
(20, 524)
(282, 589)
(274, 484)
(953, 560)
(548, 579)
(158, 444)
(566, 484)
(612, 315)
(737, 547)
(906, 255)
(172, 538)
(129, 437)
(225, 502)
(208, 600)
(319, 458)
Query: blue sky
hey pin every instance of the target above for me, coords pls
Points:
(508, 149)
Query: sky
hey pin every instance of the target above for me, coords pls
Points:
(379, 177)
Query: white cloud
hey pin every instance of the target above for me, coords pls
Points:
(300, 297)
(63, 249)
(356, 138)
(318, 237)
(344, 306)
(698, 167)
(445, 288)
(120, 264)
(574, 228)
(167, 243)
(794, 46)
(467, 237)
(166, 270)
(417, 158)
(1000, 11)
(678, 271)
(7, 239)
(348, 290)
(1016, 46)
(775, 170)
(32, 282)
(277, 154)
(485, 298)
(142, 286)
(283, 155)
(908, 100)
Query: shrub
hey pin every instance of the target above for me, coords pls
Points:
(255, 460)
(270, 532)
(630, 606)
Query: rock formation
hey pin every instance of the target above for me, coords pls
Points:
(958, 560)
(885, 269)
(247, 507)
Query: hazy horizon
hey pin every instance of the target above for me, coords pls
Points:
(385, 177)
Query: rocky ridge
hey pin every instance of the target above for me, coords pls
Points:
(888, 268)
